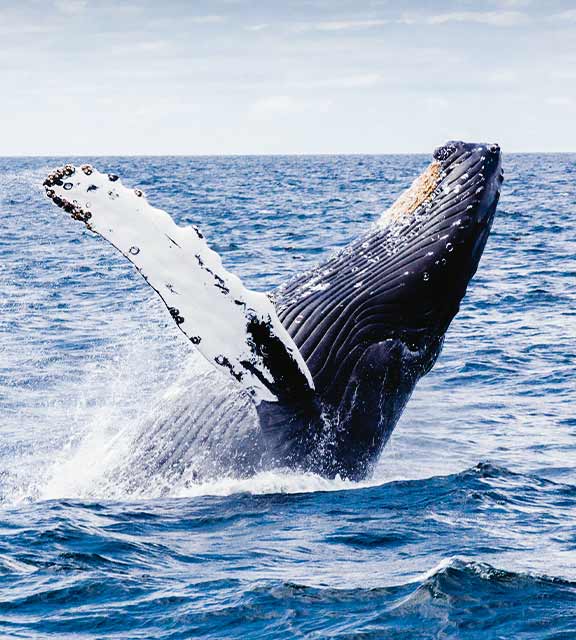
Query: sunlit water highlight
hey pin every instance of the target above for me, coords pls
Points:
(466, 529)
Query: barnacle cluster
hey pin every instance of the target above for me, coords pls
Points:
(56, 178)
(421, 190)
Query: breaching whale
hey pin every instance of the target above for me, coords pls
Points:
(324, 365)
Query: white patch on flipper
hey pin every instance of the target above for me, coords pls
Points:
(210, 305)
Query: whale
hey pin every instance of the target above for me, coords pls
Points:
(314, 375)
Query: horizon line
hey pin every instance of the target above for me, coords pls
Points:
(261, 155)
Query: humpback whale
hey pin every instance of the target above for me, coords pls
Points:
(322, 367)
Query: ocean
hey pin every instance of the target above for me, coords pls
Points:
(467, 529)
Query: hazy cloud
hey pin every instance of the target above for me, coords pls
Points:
(358, 81)
(273, 106)
(257, 27)
(564, 74)
(435, 103)
(559, 101)
(503, 76)
(513, 3)
(493, 18)
(211, 19)
(565, 16)
(340, 25)
(149, 46)
(71, 7)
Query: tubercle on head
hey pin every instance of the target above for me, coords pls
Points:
(432, 182)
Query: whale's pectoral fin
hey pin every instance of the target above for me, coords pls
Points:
(234, 328)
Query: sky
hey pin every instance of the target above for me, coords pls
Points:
(140, 77)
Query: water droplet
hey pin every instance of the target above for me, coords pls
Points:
(134, 251)
(68, 186)
(449, 247)
(426, 276)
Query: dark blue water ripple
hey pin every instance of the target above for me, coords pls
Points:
(342, 564)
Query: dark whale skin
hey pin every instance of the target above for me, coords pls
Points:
(371, 321)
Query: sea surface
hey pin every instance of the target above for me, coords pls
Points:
(467, 528)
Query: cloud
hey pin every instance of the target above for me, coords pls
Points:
(565, 16)
(257, 27)
(71, 7)
(436, 103)
(27, 29)
(513, 3)
(339, 25)
(145, 46)
(559, 101)
(78, 7)
(357, 81)
(273, 106)
(492, 18)
(564, 74)
(503, 76)
(211, 19)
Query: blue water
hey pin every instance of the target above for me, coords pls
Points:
(467, 528)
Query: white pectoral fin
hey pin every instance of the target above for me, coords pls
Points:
(234, 328)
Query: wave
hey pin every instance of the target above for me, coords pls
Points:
(456, 599)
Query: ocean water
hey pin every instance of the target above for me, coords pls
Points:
(467, 528)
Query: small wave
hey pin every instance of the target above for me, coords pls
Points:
(456, 599)
(457, 577)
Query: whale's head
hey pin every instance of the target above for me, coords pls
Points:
(403, 280)
(433, 236)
